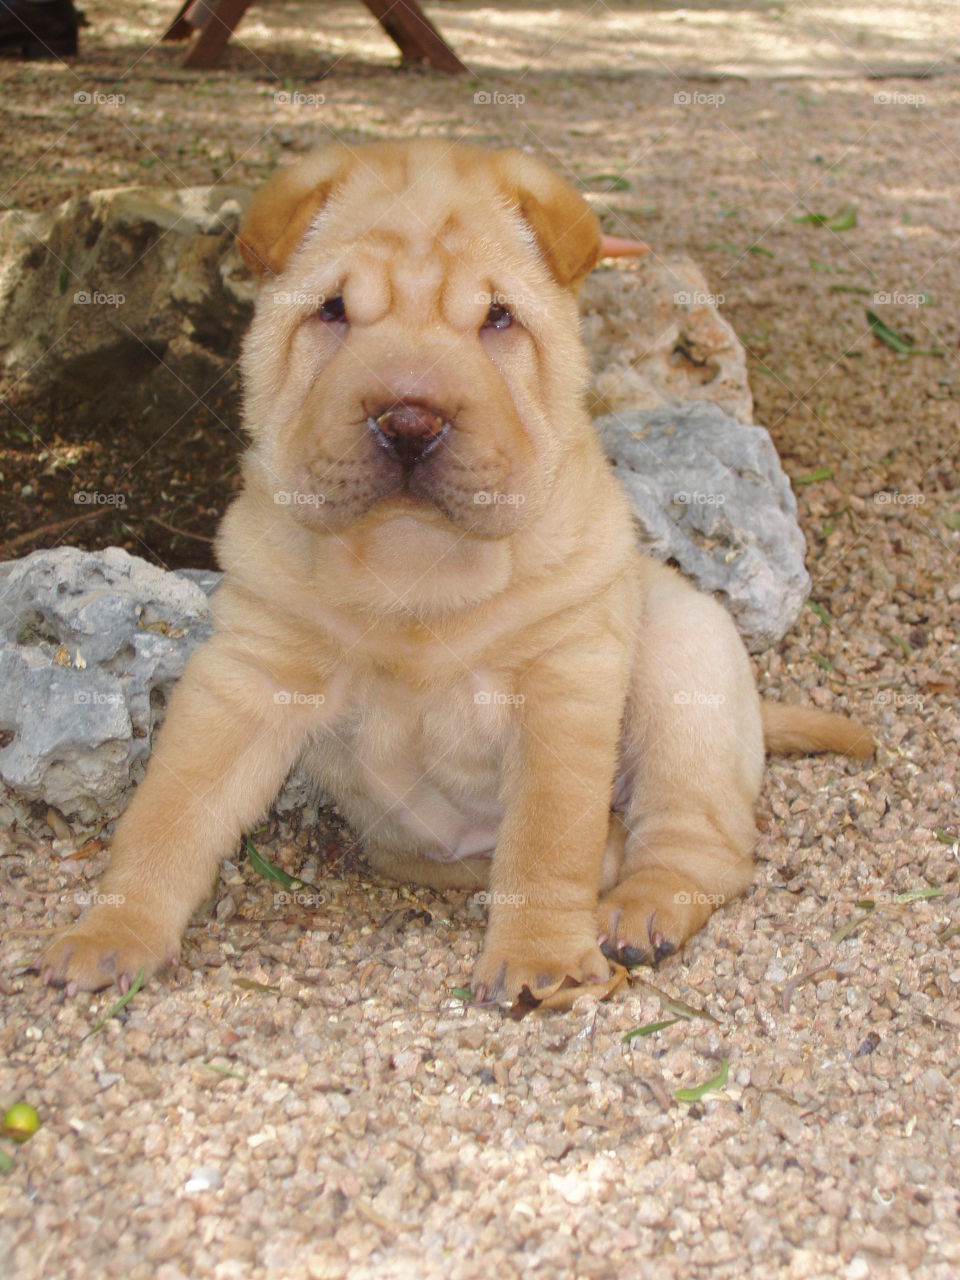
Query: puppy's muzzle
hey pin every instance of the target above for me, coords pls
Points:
(409, 429)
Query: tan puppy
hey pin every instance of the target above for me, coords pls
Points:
(433, 597)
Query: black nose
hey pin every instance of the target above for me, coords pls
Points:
(409, 429)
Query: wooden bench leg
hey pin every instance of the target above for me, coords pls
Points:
(179, 28)
(216, 31)
(414, 34)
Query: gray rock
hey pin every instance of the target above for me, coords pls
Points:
(91, 645)
(710, 494)
(90, 648)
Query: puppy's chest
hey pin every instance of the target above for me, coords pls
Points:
(420, 768)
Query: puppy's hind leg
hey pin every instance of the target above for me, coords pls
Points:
(693, 753)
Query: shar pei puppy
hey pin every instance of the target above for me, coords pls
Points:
(434, 601)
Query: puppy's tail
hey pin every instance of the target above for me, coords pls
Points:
(804, 729)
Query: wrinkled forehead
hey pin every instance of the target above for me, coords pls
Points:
(411, 210)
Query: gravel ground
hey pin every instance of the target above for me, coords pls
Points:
(307, 1095)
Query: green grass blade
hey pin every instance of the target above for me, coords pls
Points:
(223, 1071)
(709, 1086)
(844, 220)
(821, 613)
(124, 1000)
(821, 473)
(917, 895)
(649, 1028)
(896, 341)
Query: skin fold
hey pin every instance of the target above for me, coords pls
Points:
(433, 598)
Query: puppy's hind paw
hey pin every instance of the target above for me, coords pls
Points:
(650, 915)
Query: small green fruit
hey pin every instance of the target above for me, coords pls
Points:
(20, 1122)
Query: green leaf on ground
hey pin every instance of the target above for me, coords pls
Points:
(649, 1028)
(759, 250)
(267, 869)
(223, 1071)
(709, 1086)
(6, 1164)
(844, 220)
(852, 288)
(841, 221)
(918, 895)
(821, 613)
(683, 1010)
(903, 645)
(615, 180)
(850, 927)
(821, 473)
(896, 341)
(124, 1000)
(462, 993)
(249, 984)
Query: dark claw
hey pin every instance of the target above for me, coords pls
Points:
(633, 957)
(662, 950)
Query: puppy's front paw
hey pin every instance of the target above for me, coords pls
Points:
(111, 943)
(538, 952)
(650, 915)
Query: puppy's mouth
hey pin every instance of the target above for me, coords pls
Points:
(414, 459)
(412, 433)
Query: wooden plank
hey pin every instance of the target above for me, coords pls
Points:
(414, 34)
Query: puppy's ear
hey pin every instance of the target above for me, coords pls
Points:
(566, 228)
(281, 212)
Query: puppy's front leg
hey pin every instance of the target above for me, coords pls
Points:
(557, 786)
(230, 737)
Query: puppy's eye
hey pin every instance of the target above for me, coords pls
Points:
(333, 311)
(498, 317)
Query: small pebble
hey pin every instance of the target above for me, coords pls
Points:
(205, 1178)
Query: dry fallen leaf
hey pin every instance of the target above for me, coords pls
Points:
(88, 848)
(561, 995)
